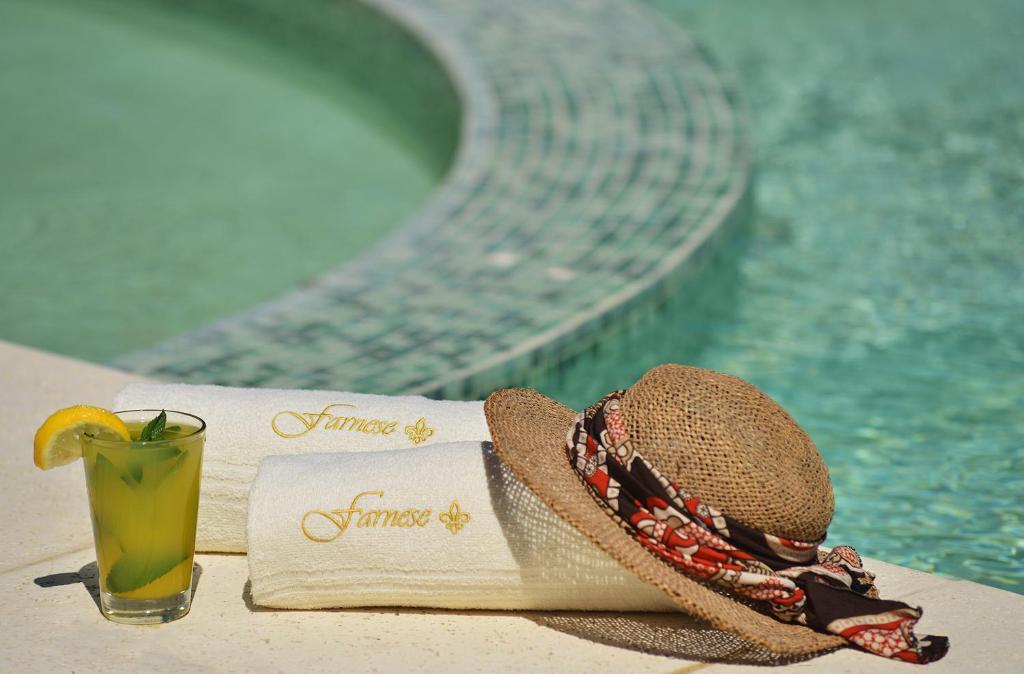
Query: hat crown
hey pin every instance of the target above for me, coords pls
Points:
(722, 439)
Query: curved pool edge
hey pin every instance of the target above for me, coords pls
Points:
(462, 283)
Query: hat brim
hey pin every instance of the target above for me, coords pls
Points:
(529, 430)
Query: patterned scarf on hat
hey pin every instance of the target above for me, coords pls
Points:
(834, 595)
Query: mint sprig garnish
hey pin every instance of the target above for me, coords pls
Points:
(154, 430)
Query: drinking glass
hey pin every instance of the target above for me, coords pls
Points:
(144, 498)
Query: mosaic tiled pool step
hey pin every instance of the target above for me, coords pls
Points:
(599, 151)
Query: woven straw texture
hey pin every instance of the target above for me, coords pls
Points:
(684, 411)
(727, 442)
(675, 635)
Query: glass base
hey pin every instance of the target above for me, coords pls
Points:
(145, 611)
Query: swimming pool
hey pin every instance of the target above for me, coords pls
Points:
(163, 167)
(878, 293)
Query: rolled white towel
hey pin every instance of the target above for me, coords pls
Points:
(244, 425)
(446, 526)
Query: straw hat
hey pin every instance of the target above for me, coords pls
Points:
(720, 438)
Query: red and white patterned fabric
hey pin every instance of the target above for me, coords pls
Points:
(834, 595)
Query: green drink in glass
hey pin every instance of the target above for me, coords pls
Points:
(144, 498)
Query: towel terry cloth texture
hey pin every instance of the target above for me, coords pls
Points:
(445, 526)
(245, 425)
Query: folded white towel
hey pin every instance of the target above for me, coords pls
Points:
(446, 526)
(244, 425)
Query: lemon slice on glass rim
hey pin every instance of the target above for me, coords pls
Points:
(59, 440)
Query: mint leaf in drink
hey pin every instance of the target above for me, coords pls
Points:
(138, 569)
(146, 462)
(155, 428)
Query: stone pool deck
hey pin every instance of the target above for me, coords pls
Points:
(600, 153)
(51, 622)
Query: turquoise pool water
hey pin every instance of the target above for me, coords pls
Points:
(879, 292)
(160, 170)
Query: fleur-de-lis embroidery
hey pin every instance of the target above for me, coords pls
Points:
(454, 519)
(419, 432)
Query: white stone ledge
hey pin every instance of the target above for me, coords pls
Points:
(51, 622)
